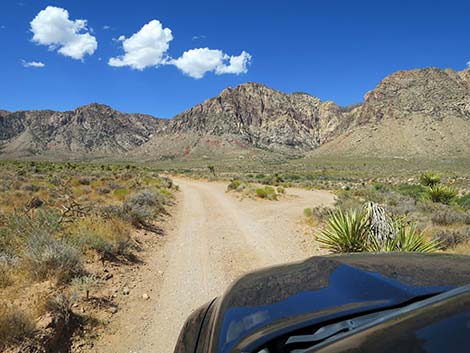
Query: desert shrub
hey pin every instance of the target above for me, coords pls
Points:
(15, 325)
(84, 181)
(280, 190)
(261, 193)
(19, 228)
(308, 212)
(121, 193)
(446, 216)
(146, 198)
(414, 191)
(103, 190)
(441, 193)
(46, 257)
(464, 201)
(85, 284)
(7, 264)
(31, 187)
(399, 205)
(451, 238)
(429, 179)
(379, 186)
(234, 185)
(345, 200)
(346, 231)
(270, 193)
(60, 306)
(110, 237)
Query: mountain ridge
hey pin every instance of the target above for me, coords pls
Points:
(417, 108)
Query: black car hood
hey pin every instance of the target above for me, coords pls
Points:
(261, 304)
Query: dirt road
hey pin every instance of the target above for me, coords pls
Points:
(215, 238)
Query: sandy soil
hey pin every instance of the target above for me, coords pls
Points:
(214, 238)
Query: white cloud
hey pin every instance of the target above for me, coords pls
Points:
(106, 27)
(32, 63)
(197, 62)
(202, 36)
(146, 48)
(149, 48)
(468, 63)
(52, 27)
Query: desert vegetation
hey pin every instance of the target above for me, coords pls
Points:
(247, 189)
(423, 216)
(61, 224)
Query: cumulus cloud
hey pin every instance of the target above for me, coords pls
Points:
(468, 63)
(52, 27)
(149, 48)
(146, 48)
(32, 63)
(197, 62)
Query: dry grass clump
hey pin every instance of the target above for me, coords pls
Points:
(15, 325)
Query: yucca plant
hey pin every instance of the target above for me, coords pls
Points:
(351, 231)
(346, 231)
(441, 193)
(429, 179)
(407, 238)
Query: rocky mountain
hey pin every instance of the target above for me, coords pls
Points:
(422, 112)
(249, 117)
(89, 131)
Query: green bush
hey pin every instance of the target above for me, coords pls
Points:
(441, 193)
(464, 201)
(429, 179)
(270, 193)
(234, 185)
(414, 191)
(308, 212)
(261, 193)
(281, 190)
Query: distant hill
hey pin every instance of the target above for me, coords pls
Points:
(424, 112)
(89, 131)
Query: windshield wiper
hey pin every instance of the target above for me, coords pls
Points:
(328, 331)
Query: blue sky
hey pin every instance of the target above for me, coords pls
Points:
(335, 50)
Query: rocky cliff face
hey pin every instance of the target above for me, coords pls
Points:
(90, 130)
(430, 92)
(264, 117)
